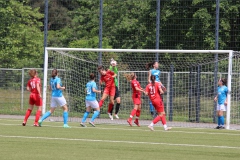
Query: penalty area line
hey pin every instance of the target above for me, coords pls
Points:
(127, 142)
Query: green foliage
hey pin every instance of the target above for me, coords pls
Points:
(126, 24)
(21, 42)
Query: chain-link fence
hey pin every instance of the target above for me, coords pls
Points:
(14, 96)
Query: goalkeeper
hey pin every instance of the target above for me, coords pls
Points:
(113, 67)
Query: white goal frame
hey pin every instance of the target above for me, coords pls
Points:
(229, 52)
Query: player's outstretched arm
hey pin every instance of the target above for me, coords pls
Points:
(139, 89)
(96, 91)
(161, 91)
(146, 93)
(149, 76)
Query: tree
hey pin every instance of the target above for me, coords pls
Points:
(21, 42)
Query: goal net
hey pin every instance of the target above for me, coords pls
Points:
(190, 77)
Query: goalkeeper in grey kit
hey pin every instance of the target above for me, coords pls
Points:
(113, 67)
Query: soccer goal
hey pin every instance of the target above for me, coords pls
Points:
(190, 76)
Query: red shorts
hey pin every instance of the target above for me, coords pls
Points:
(158, 105)
(110, 91)
(34, 99)
(136, 99)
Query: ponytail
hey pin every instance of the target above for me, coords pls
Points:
(150, 65)
(153, 78)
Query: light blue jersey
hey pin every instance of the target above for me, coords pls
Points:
(156, 73)
(55, 91)
(222, 94)
(91, 96)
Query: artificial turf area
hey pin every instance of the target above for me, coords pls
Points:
(114, 142)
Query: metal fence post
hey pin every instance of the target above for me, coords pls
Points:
(198, 94)
(190, 95)
(45, 25)
(100, 31)
(22, 89)
(168, 93)
(216, 59)
(171, 94)
(100, 37)
(157, 27)
(45, 68)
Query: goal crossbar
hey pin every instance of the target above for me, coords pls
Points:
(137, 50)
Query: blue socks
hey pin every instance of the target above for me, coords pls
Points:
(46, 115)
(85, 116)
(65, 117)
(221, 121)
(95, 115)
(151, 107)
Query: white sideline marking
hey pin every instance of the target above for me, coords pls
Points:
(145, 130)
(110, 141)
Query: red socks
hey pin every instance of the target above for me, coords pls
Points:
(134, 111)
(28, 113)
(163, 119)
(110, 107)
(38, 114)
(138, 113)
(157, 119)
(100, 103)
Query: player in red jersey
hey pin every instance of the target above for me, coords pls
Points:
(108, 78)
(154, 91)
(34, 85)
(136, 97)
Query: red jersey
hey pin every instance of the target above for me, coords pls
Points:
(153, 91)
(134, 84)
(108, 79)
(32, 84)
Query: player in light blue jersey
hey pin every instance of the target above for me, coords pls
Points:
(57, 99)
(153, 70)
(91, 101)
(221, 100)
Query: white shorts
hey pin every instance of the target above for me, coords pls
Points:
(94, 104)
(221, 107)
(58, 101)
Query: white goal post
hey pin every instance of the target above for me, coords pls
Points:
(228, 55)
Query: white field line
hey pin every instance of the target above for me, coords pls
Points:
(111, 124)
(144, 130)
(128, 142)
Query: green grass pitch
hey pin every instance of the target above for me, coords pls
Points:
(114, 142)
